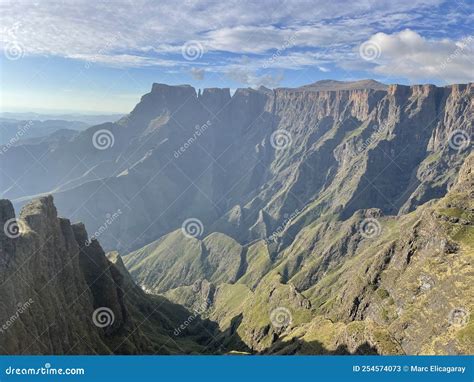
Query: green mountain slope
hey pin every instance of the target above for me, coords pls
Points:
(402, 285)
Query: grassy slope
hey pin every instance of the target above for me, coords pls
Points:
(392, 294)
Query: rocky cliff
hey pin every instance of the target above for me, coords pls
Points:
(241, 164)
(60, 294)
(401, 286)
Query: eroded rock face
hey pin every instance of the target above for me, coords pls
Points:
(373, 284)
(209, 155)
(60, 294)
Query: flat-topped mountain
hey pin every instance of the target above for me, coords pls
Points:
(333, 85)
(241, 164)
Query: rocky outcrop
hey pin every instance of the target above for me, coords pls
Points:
(60, 294)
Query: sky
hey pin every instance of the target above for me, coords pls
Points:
(102, 56)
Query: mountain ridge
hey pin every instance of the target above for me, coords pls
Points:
(343, 290)
(326, 128)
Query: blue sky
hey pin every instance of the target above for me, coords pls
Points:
(101, 56)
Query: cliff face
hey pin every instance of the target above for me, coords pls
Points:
(60, 294)
(402, 286)
(248, 160)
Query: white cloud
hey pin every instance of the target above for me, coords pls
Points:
(408, 54)
(91, 27)
(275, 34)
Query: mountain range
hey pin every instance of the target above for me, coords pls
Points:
(333, 218)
